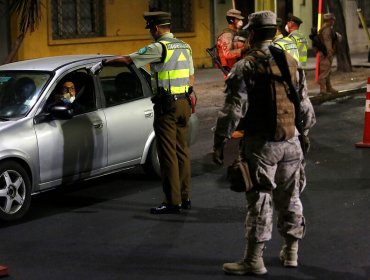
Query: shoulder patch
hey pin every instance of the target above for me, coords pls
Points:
(143, 50)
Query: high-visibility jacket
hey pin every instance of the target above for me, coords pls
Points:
(301, 43)
(287, 45)
(172, 74)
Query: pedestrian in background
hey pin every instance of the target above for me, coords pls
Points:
(292, 27)
(230, 45)
(330, 40)
(172, 74)
(270, 146)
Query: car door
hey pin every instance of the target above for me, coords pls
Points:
(129, 114)
(73, 148)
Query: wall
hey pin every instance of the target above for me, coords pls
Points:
(125, 33)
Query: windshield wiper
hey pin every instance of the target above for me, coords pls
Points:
(4, 119)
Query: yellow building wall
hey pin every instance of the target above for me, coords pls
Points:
(125, 33)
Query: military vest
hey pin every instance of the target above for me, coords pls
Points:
(301, 43)
(287, 45)
(270, 112)
(172, 73)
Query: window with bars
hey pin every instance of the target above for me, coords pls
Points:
(181, 13)
(77, 19)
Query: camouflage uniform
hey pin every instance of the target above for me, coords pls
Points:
(330, 39)
(276, 167)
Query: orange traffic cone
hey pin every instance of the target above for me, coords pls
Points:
(3, 271)
(366, 139)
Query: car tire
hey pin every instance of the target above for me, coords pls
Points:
(15, 191)
(151, 165)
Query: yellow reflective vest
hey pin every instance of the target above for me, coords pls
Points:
(172, 74)
(301, 43)
(287, 45)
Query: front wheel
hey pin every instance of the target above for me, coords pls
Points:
(15, 191)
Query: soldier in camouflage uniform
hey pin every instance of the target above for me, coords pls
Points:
(275, 160)
(330, 39)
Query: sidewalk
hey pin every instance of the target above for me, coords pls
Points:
(211, 78)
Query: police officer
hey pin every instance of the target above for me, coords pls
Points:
(172, 73)
(284, 43)
(292, 27)
(275, 159)
(230, 45)
(330, 39)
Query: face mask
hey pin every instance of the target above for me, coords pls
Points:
(286, 28)
(67, 96)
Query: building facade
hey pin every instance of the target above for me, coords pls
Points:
(117, 26)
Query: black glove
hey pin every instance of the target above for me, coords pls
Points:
(104, 62)
(218, 149)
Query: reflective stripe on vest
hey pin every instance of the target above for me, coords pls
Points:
(173, 73)
(287, 45)
(301, 42)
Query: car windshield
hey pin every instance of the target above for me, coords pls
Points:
(19, 91)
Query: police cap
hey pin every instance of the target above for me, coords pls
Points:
(329, 16)
(262, 19)
(234, 13)
(295, 19)
(156, 18)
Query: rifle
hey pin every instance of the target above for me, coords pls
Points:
(280, 59)
(216, 61)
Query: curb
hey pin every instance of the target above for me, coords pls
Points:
(318, 99)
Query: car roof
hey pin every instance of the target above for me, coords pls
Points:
(50, 63)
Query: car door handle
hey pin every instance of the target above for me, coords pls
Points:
(148, 114)
(98, 125)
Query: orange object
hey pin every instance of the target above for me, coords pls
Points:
(366, 138)
(3, 271)
(237, 134)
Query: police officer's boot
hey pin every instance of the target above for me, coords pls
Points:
(289, 252)
(251, 264)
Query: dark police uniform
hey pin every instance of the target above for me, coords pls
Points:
(171, 66)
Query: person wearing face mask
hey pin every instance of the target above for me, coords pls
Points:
(230, 45)
(172, 72)
(292, 27)
(257, 96)
(69, 91)
(330, 39)
(284, 43)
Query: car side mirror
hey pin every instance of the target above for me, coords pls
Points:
(63, 112)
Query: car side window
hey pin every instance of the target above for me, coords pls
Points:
(120, 85)
(77, 90)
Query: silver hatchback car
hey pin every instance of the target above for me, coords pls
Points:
(46, 141)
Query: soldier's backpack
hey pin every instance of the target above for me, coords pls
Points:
(316, 42)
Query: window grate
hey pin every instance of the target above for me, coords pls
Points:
(77, 19)
(181, 13)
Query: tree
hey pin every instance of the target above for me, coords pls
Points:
(343, 57)
(29, 13)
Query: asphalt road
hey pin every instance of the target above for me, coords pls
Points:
(102, 229)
